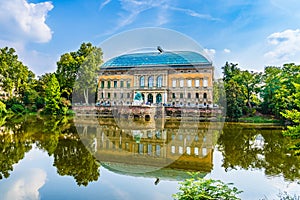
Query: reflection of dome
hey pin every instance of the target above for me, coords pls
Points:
(157, 59)
(150, 172)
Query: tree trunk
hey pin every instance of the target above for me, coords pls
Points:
(86, 95)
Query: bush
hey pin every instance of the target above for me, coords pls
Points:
(203, 189)
(17, 108)
(2, 108)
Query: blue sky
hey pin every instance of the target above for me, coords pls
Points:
(254, 34)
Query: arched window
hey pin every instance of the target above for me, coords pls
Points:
(142, 81)
(204, 96)
(159, 81)
(150, 82)
(158, 98)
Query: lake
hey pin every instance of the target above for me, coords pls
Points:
(105, 158)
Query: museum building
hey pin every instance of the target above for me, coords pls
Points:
(177, 78)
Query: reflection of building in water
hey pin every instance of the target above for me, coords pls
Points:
(171, 145)
(182, 78)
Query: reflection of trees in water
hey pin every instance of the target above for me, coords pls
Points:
(270, 153)
(57, 136)
(14, 144)
(73, 159)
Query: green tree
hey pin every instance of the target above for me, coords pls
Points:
(52, 99)
(249, 82)
(219, 92)
(80, 66)
(40, 88)
(235, 100)
(205, 189)
(14, 76)
(271, 85)
(88, 72)
(233, 90)
(294, 116)
(279, 88)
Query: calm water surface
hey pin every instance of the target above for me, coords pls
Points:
(90, 158)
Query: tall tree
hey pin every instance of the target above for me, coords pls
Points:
(234, 95)
(294, 116)
(52, 99)
(88, 72)
(249, 82)
(14, 76)
(271, 85)
(86, 59)
(279, 88)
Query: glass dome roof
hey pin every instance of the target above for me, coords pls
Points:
(157, 59)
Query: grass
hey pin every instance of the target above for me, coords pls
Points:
(259, 119)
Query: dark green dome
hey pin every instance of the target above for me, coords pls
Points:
(176, 58)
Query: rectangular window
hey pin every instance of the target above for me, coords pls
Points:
(181, 95)
(102, 95)
(205, 83)
(173, 149)
(196, 151)
(189, 83)
(108, 95)
(181, 83)
(122, 84)
(128, 95)
(108, 84)
(115, 84)
(173, 83)
(149, 149)
(102, 84)
(128, 84)
(173, 95)
(115, 95)
(141, 148)
(189, 95)
(197, 83)
(121, 96)
(157, 150)
(197, 96)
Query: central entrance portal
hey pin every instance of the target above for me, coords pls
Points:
(150, 98)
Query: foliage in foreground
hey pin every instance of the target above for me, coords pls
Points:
(294, 116)
(202, 189)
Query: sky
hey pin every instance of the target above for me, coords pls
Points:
(253, 34)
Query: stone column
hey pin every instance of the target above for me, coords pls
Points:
(145, 97)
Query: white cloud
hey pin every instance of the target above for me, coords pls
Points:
(36, 61)
(23, 21)
(227, 51)
(133, 8)
(193, 13)
(286, 45)
(104, 3)
(211, 53)
(25, 186)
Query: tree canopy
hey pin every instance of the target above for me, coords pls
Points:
(15, 78)
(79, 70)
